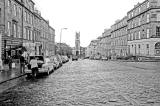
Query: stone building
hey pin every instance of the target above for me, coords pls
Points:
(44, 36)
(51, 41)
(82, 52)
(92, 48)
(144, 29)
(138, 33)
(37, 32)
(63, 49)
(29, 26)
(1, 29)
(101, 46)
(88, 51)
(12, 26)
(107, 42)
(21, 25)
(119, 38)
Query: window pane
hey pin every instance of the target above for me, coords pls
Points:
(139, 21)
(8, 29)
(139, 35)
(25, 16)
(19, 31)
(158, 17)
(157, 31)
(26, 33)
(14, 30)
(19, 12)
(148, 33)
(15, 10)
(9, 6)
(147, 4)
(147, 17)
(31, 35)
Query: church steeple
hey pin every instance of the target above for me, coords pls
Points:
(77, 43)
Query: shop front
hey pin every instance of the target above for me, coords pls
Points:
(12, 48)
(38, 48)
(1, 66)
(30, 48)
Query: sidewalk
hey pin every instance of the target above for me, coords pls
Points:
(7, 75)
(149, 65)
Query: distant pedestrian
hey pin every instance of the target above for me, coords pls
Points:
(34, 66)
(10, 62)
(22, 63)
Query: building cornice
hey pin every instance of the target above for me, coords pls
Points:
(138, 4)
(51, 28)
(119, 28)
(148, 9)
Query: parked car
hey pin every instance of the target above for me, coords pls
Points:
(74, 58)
(97, 57)
(130, 57)
(65, 59)
(56, 62)
(86, 57)
(59, 58)
(44, 65)
(92, 57)
(104, 58)
(48, 66)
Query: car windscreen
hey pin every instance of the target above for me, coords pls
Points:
(47, 60)
(38, 58)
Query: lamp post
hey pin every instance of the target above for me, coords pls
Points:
(1, 64)
(61, 39)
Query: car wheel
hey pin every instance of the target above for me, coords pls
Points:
(47, 72)
(139, 59)
(28, 76)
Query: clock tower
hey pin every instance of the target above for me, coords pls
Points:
(77, 44)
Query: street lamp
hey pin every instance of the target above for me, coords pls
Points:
(61, 38)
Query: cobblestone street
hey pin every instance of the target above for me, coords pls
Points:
(90, 83)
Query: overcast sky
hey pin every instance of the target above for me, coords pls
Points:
(90, 17)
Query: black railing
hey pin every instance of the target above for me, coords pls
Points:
(155, 36)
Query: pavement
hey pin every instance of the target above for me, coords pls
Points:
(7, 75)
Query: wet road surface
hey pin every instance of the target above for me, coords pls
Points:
(90, 83)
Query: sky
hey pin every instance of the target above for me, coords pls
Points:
(89, 17)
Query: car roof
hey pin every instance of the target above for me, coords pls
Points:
(36, 55)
